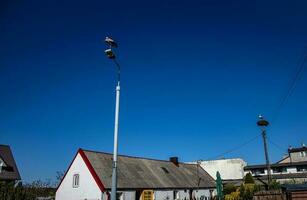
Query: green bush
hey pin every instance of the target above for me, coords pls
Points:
(233, 196)
(229, 188)
(9, 191)
(274, 185)
(249, 179)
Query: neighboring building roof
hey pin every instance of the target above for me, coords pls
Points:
(10, 171)
(286, 159)
(220, 159)
(142, 173)
(292, 150)
(276, 165)
(284, 176)
(235, 182)
(295, 187)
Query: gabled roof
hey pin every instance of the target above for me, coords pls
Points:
(10, 172)
(286, 159)
(142, 173)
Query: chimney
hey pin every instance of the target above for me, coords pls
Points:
(174, 160)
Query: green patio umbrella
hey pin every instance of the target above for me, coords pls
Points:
(219, 186)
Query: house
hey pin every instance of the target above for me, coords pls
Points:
(231, 170)
(292, 168)
(90, 173)
(8, 168)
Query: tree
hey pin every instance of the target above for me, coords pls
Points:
(249, 179)
(247, 191)
(274, 185)
(59, 177)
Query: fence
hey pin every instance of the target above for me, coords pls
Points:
(270, 195)
(297, 195)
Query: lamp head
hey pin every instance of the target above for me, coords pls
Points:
(110, 42)
(109, 53)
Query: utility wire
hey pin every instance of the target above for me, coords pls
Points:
(292, 85)
(289, 92)
(276, 145)
(235, 148)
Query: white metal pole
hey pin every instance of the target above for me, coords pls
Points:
(114, 170)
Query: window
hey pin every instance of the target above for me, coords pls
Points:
(257, 171)
(1, 164)
(303, 154)
(301, 168)
(119, 195)
(7, 168)
(279, 170)
(176, 195)
(75, 181)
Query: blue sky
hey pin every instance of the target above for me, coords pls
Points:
(195, 75)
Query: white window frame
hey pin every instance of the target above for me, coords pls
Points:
(176, 195)
(76, 181)
(303, 153)
(1, 164)
(119, 195)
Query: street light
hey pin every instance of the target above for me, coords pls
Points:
(110, 54)
(264, 123)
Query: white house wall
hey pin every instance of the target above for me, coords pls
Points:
(183, 195)
(88, 189)
(297, 157)
(228, 168)
(201, 194)
(169, 194)
(163, 195)
(127, 195)
(291, 170)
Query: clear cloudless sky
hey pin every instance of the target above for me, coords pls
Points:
(195, 76)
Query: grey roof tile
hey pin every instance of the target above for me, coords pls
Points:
(134, 172)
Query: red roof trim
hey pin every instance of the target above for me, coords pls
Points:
(66, 171)
(91, 169)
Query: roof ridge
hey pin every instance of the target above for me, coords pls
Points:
(137, 157)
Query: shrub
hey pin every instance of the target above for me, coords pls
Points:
(249, 179)
(274, 185)
(229, 188)
(9, 191)
(233, 196)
